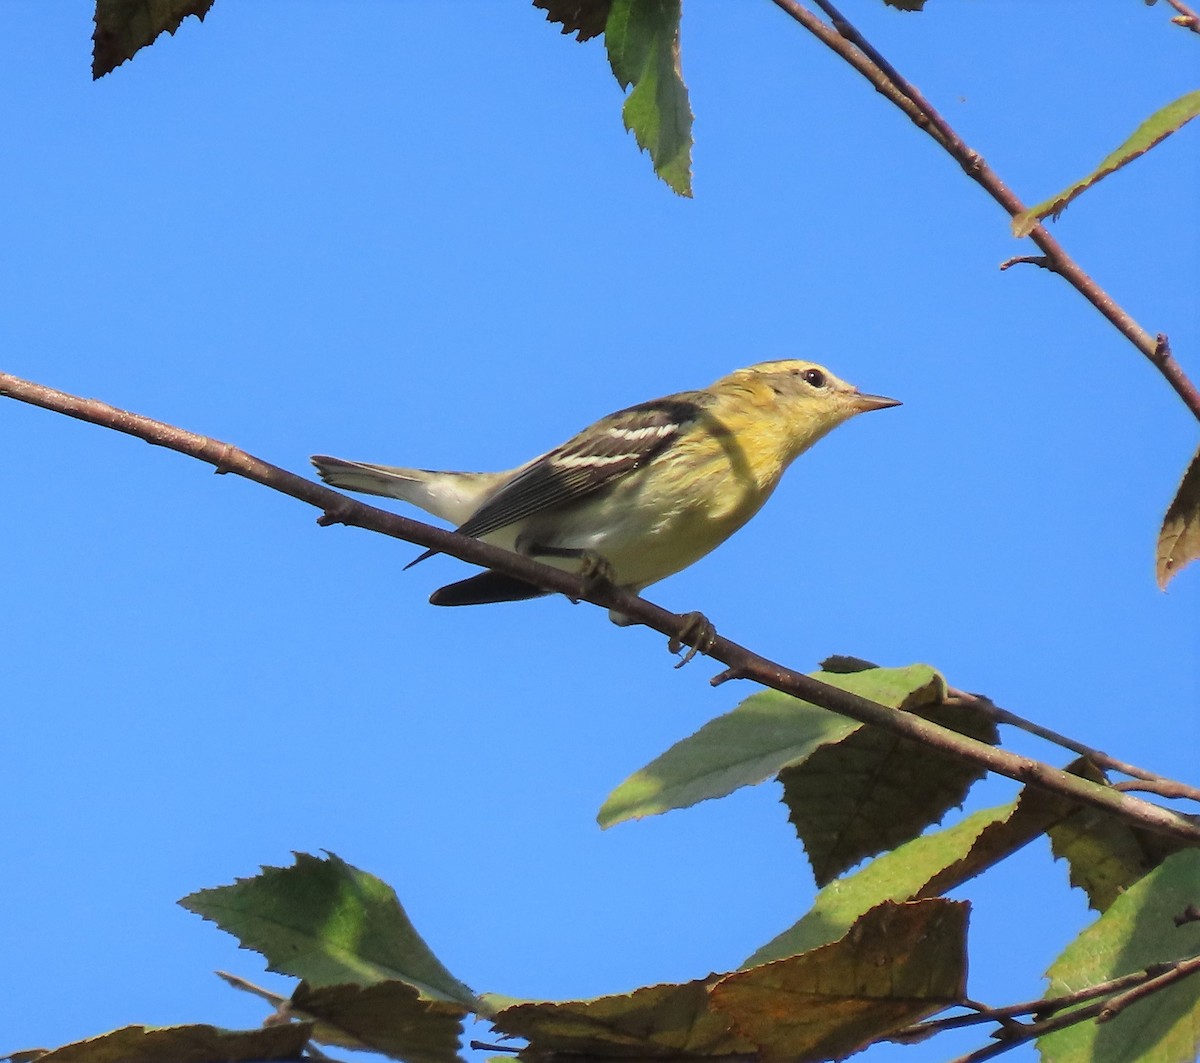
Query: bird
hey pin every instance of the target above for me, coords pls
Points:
(640, 494)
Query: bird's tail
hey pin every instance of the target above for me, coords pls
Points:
(453, 496)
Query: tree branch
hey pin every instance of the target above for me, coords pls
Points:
(1187, 18)
(849, 43)
(1144, 780)
(339, 509)
(1107, 999)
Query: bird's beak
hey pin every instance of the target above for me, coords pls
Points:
(873, 402)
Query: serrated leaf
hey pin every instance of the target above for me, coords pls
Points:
(1137, 931)
(328, 923)
(124, 27)
(673, 1020)
(1106, 855)
(388, 1017)
(766, 732)
(924, 867)
(642, 37)
(1179, 539)
(895, 965)
(873, 790)
(584, 18)
(1160, 125)
(898, 964)
(186, 1044)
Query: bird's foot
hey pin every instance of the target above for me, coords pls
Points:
(697, 633)
(595, 569)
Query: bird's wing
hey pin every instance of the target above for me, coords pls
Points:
(598, 456)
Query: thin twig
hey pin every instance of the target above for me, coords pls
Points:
(844, 39)
(1031, 260)
(1147, 781)
(1144, 983)
(1175, 972)
(340, 509)
(1167, 788)
(1187, 18)
(1042, 1007)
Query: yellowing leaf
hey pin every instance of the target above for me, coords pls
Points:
(1179, 540)
(584, 18)
(673, 1020)
(1157, 127)
(388, 1017)
(123, 27)
(185, 1044)
(896, 965)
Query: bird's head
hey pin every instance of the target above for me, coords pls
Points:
(804, 395)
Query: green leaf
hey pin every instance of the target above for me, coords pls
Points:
(1137, 931)
(1106, 855)
(1179, 540)
(873, 790)
(1160, 125)
(924, 867)
(388, 1017)
(643, 49)
(124, 27)
(328, 923)
(584, 18)
(896, 965)
(765, 733)
(185, 1044)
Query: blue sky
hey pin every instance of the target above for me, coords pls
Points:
(418, 234)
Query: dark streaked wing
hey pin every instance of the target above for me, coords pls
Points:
(485, 588)
(610, 449)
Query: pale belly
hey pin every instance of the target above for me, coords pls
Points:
(643, 541)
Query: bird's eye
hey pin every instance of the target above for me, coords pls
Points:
(814, 377)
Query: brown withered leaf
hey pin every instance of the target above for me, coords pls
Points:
(1179, 540)
(585, 18)
(124, 27)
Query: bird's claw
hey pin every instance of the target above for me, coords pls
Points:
(595, 570)
(697, 633)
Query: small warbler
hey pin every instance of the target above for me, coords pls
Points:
(640, 494)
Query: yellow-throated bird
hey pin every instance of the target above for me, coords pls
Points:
(640, 494)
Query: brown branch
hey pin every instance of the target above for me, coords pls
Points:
(1187, 18)
(1144, 780)
(1173, 973)
(1119, 993)
(849, 43)
(339, 509)
(1003, 1016)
